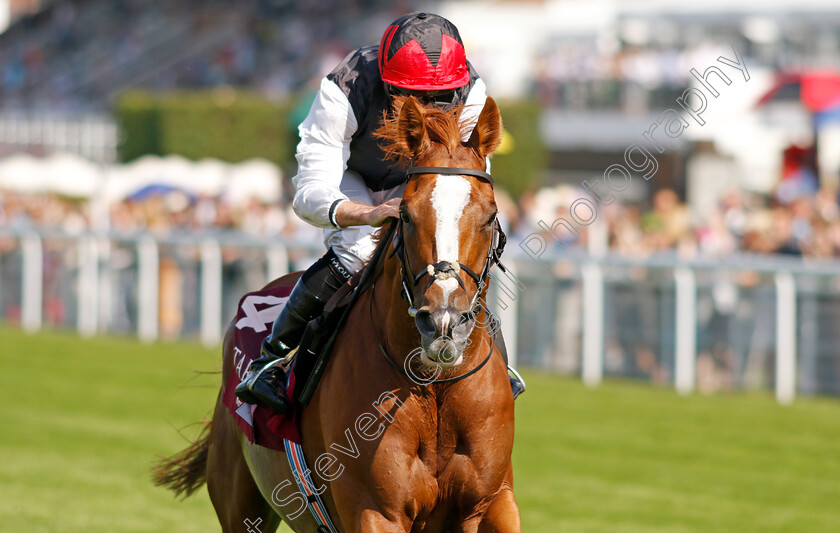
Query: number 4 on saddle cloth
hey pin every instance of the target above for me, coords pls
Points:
(254, 318)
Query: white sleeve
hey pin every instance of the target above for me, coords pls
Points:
(322, 154)
(473, 106)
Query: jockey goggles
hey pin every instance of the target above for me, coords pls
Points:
(445, 98)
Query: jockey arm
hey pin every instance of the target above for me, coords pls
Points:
(472, 108)
(350, 213)
(322, 156)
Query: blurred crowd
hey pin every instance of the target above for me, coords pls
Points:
(170, 213)
(279, 46)
(582, 77)
(274, 46)
(807, 225)
(646, 64)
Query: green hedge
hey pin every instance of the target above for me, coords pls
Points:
(234, 126)
(231, 126)
(523, 155)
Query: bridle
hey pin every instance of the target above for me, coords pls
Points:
(445, 269)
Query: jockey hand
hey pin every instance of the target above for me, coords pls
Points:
(350, 213)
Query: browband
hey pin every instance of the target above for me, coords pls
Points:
(452, 171)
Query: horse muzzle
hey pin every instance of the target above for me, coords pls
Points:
(444, 335)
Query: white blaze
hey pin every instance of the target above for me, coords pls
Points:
(449, 199)
(448, 285)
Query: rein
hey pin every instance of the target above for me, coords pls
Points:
(366, 277)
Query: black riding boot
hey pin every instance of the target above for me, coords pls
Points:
(265, 382)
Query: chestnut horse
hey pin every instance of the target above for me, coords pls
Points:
(393, 453)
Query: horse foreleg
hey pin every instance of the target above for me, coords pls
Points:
(361, 512)
(239, 505)
(502, 516)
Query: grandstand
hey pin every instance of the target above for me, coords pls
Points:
(78, 54)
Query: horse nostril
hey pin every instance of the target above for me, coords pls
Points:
(425, 323)
(464, 318)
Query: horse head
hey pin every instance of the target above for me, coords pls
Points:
(447, 230)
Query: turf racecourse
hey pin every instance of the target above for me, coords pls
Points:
(81, 421)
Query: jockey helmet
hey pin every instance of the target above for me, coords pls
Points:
(423, 52)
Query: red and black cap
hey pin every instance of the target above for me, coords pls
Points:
(423, 52)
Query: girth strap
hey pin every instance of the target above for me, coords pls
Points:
(297, 462)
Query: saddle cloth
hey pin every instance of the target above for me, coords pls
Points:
(254, 318)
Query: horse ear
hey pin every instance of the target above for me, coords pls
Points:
(487, 133)
(412, 128)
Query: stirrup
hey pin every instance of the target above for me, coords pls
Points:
(258, 391)
(517, 384)
(250, 380)
(286, 353)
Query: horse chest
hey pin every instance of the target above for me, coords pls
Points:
(460, 463)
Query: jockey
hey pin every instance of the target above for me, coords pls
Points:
(344, 186)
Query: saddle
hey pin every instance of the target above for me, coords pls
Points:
(256, 312)
(317, 341)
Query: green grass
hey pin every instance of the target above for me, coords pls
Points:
(82, 420)
(627, 457)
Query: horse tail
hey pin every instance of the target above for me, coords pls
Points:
(186, 471)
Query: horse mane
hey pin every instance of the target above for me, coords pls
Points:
(379, 234)
(444, 126)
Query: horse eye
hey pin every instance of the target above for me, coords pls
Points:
(406, 219)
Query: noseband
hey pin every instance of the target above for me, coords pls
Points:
(444, 269)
